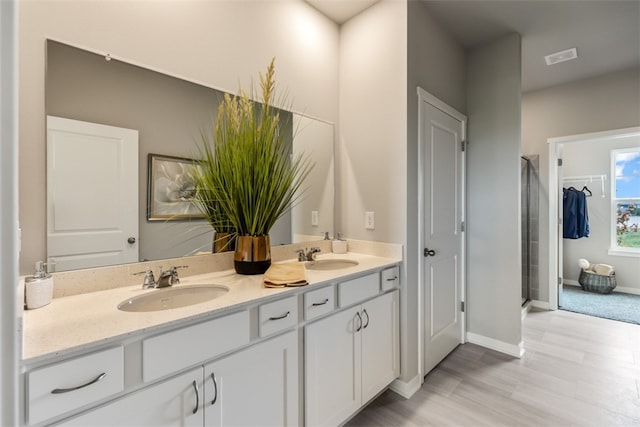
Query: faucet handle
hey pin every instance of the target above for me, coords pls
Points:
(301, 254)
(149, 279)
(311, 254)
(174, 273)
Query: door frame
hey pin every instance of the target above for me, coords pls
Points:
(555, 192)
(424, 96)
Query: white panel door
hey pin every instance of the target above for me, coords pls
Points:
(92, 194)
(441, 136)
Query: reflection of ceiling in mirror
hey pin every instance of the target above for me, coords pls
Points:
(170, 114)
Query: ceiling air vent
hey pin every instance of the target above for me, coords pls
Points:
(562, 56)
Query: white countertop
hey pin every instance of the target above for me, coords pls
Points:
(81, 321)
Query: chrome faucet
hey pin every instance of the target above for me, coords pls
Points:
(166, 278)
(309, 256)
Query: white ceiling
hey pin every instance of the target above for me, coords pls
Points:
(606, 33)
(341, 10)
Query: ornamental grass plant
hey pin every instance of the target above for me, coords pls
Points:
(247, 177)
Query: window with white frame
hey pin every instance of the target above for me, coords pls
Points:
(625, 201)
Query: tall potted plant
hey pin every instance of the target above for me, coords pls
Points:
(248, 171)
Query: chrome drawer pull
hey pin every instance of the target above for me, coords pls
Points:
(195, 387)
(318, 304)
(67, 390)
(393, 279)
(280, 317)
(215, 388)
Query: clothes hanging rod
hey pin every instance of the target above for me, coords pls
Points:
(588, 178)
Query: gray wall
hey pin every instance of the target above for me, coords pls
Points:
(493, 192)
(594, 158)
(372, 142)
(602, 103)
(437, 64)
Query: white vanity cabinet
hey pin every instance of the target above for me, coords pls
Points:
(255, 387)
(350, 356)
(312, 356)
(172, 403)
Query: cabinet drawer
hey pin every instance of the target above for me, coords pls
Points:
(59, 388)
(319, 302)
(356, 290)
(175, 350)
(390, 278)
(278, 315)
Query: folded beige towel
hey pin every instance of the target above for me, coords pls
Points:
(285, 274)
(603, 269)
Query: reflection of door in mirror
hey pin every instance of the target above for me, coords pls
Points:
(171, 116)
(92, 217)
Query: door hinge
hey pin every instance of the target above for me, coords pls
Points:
(462, 227)
(462, 306)
(463, 145)
(559, 162)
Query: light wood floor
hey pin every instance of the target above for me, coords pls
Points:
(577, 371)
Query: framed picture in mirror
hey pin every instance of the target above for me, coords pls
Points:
(170, 190)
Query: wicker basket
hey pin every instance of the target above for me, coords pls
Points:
(592, 282)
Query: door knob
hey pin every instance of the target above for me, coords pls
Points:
(131, 240)
(429, 252)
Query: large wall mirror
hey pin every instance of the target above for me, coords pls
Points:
(169, 115)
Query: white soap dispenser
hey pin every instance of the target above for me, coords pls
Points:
(38, 288)
(339, 245)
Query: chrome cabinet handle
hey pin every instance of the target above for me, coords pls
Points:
(215, 389)
(280, 317)
(367, 324)
(394, 278)
(359, 323)
(67, 390)
(318, 304)
(195, 387)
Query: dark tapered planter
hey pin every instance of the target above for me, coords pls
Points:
(252, 254)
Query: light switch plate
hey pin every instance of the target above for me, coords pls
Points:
(370, 220)
(314, 218)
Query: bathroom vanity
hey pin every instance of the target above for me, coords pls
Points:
(311, 355)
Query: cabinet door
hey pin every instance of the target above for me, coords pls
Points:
(170, 403)
(380, 344)
(332, 365)
(255, 387)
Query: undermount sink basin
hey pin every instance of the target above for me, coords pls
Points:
(168, 298)
(330, 264)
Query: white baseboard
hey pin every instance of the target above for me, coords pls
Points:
(406, 389)
(542, 305)
(525, 309)
(621, 289)
(493, 344)
(624, 290)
